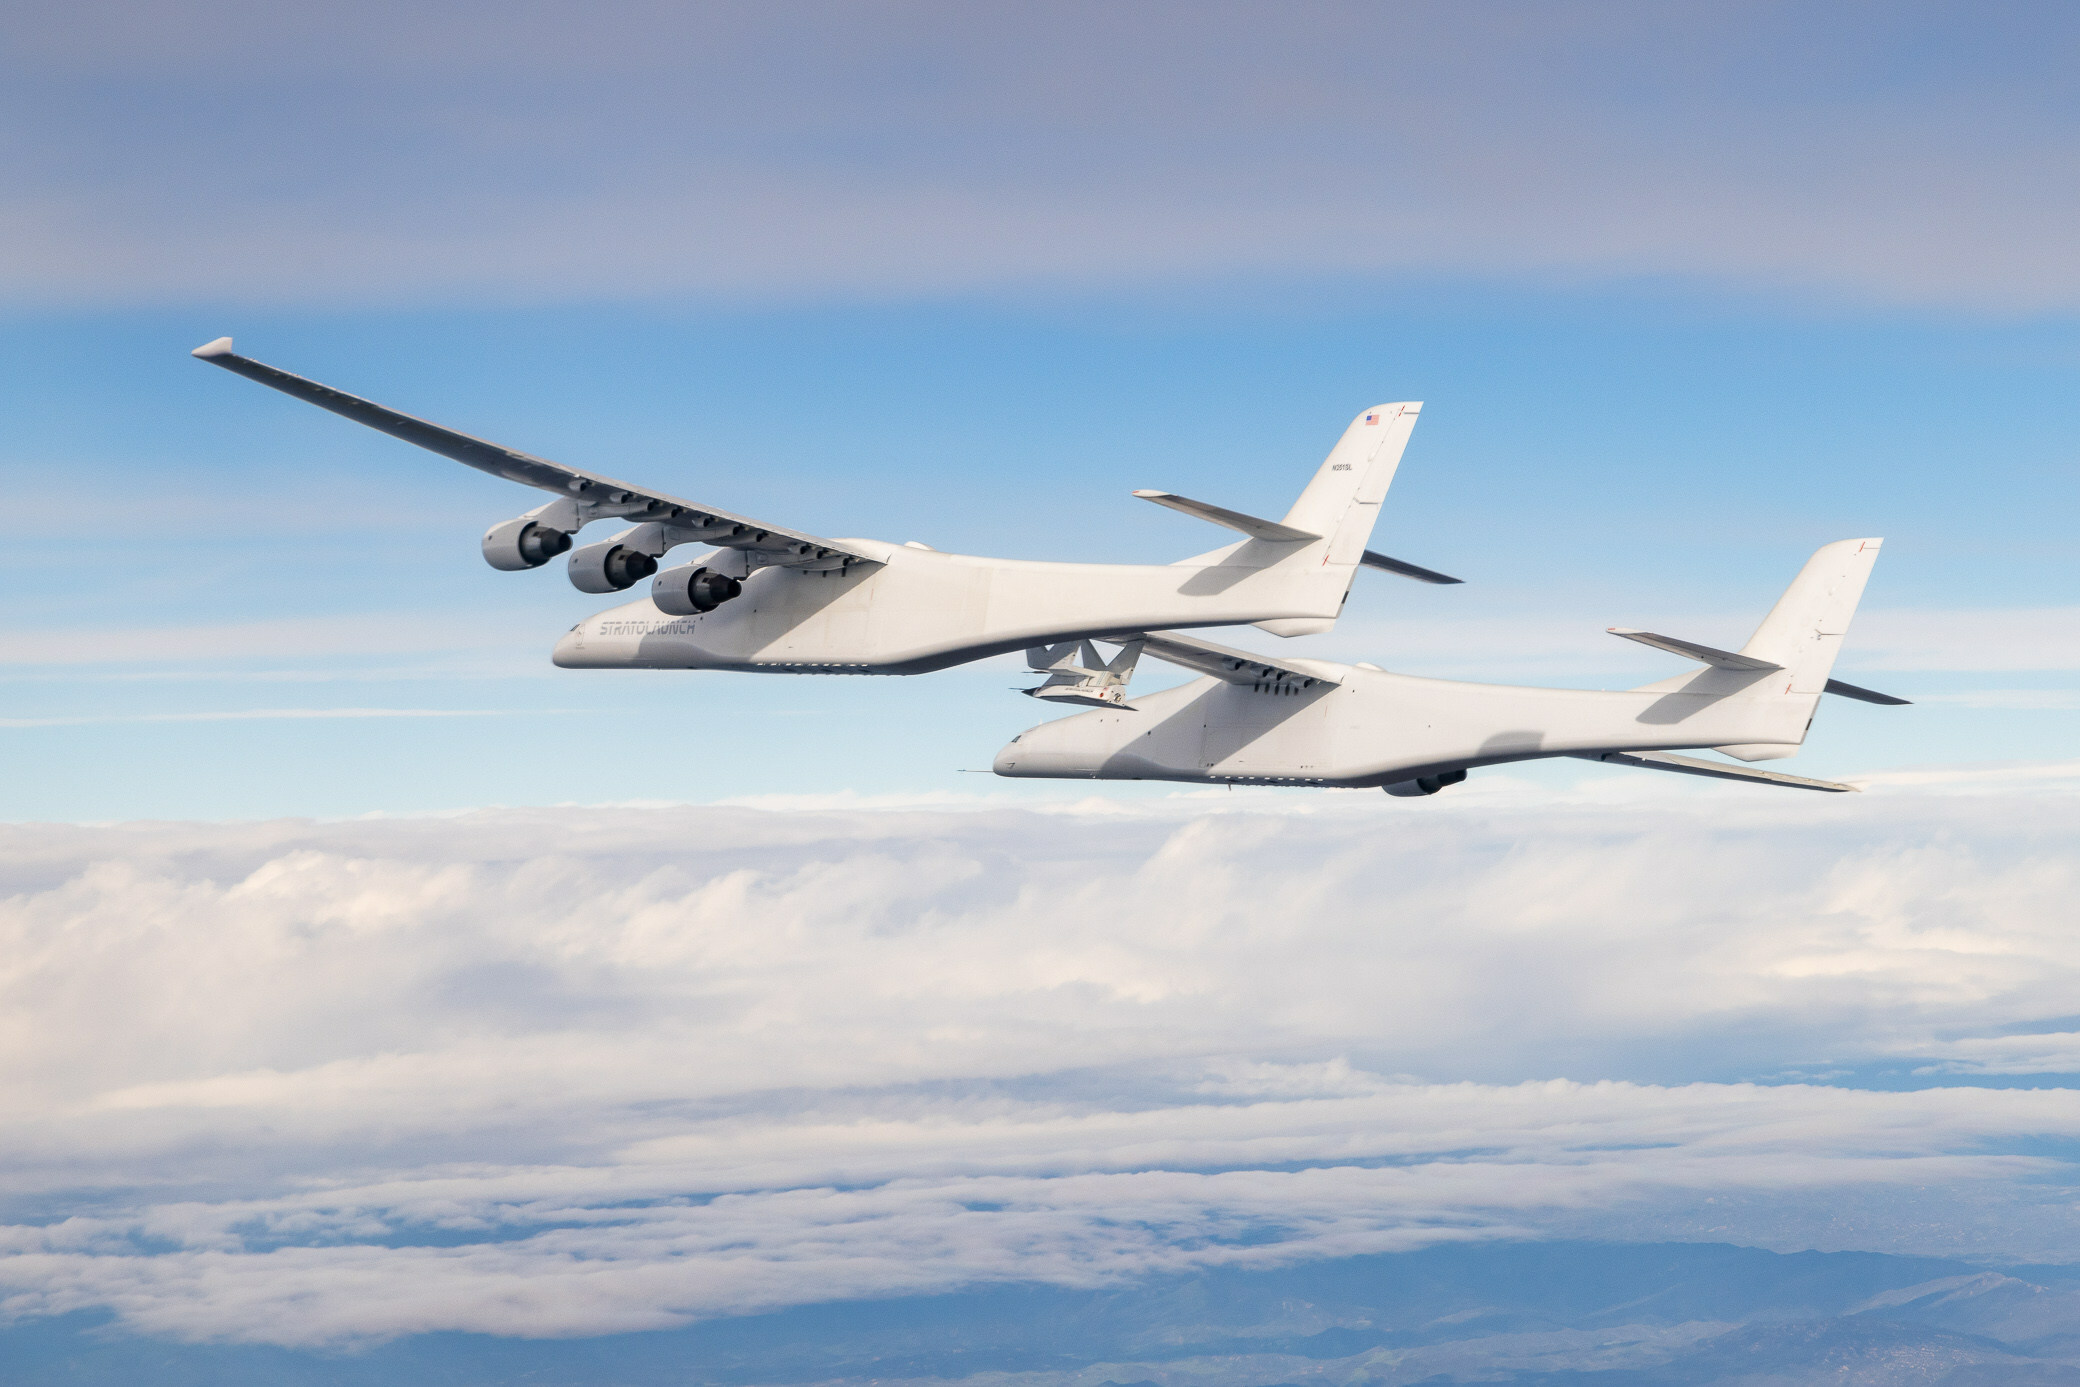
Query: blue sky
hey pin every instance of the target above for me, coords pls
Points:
(1634, 456)
(368, 978)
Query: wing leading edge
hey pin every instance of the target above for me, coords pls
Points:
(595, 497)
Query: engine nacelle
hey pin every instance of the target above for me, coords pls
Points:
(609, 566)
(1424, 784)
(691, 589)
(522, 544)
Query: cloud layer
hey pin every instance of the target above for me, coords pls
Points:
(580, 1071)
(551, 151)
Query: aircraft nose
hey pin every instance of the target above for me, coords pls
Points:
(570, 650)
(1039, 753)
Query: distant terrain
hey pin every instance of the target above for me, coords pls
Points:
(1593, 1314)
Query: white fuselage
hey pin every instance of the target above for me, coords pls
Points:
(1376, 728)
(922, 610)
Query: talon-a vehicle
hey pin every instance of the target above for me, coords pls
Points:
(1262, 720)
(768, 598)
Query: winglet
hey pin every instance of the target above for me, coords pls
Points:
(208, 350)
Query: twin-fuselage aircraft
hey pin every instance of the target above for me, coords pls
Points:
(767, 598)
(770, 599)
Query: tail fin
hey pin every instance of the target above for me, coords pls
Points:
(1803, 632)
(1343, 499)
(1342, 502)
(1781, 672)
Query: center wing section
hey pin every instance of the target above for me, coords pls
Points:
(1235, 666)
(594, 497)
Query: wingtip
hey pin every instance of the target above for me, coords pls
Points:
(208, 350)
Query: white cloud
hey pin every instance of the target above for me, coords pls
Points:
(576, 1071)
(1994, 639)
(2050, 1052)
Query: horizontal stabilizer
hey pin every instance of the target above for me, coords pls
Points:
(1375, 559)
(1717, 770)
(1220, 515)
(1705, 654)
(1836, 686)
(1234, 666)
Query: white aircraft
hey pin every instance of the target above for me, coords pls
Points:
(773, 599)
(1259, 721)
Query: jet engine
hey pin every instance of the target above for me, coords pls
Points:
(1424, 784)
(522, 544)
(609, 566)
(691, 589)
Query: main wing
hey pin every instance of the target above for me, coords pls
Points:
(594, 496)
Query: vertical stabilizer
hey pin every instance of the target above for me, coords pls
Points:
(1343, 499)
(1341, 504)
(1804, 631)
